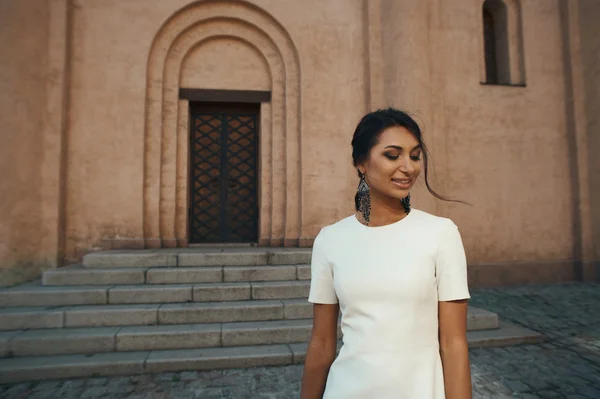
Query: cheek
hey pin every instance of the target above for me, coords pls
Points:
(379, 174)
(418, 167)
(381, 168)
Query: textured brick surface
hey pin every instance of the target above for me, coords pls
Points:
(566, 365)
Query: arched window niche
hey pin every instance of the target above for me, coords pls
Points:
(503, 62)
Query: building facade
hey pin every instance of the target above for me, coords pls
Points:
(160, 124)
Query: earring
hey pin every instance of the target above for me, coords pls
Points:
(406, 203)
(364, 198)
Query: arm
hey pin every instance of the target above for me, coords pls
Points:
(454, 349)
(321, 351)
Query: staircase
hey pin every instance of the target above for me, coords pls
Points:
(131, 312)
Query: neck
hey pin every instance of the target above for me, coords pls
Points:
(384, 210)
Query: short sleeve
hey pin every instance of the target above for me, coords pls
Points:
(451, 266)
(321, 283)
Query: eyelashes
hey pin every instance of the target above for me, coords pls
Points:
(395, 157)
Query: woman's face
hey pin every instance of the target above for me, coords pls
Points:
(394, 163)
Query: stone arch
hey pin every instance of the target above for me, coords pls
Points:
(197, 70)
(280, 196)
(172, 223)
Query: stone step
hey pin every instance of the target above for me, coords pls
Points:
(80, 275)
(146, 327)
(17, 318)
(152, 314)
(507, 334)
(128, 363)
(29, 295)
(480, 319)
(63, 341)
(198, 257)
(136, 362)
(34, 295)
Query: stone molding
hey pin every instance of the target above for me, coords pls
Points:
(165, 167)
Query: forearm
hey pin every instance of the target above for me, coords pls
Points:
(457, 370)
(316, 368)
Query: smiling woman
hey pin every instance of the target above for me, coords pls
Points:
(389, 144)
(397, 274)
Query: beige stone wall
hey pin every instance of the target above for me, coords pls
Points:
(589, 14)
(501, 148)
(225, 64)
(109, 168)
(108, 94)
(23, 73)
(111, 40)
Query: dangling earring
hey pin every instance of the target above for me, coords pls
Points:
(406, 203)
(364, 198)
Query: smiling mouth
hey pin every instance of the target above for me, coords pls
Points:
(403, 183)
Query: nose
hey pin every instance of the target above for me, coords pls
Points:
(406, 166)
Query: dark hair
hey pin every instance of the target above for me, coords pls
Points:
(370, 128)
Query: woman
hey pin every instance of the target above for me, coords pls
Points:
(399, 277)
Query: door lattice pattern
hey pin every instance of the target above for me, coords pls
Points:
(241, 172)
(223, 200)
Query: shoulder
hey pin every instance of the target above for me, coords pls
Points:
(343, 224)
(338, 228)
(432, 222)
(331, 237)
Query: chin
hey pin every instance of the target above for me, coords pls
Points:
(399, 194)
(393, 193)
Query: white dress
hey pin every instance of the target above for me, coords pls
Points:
(388, 281)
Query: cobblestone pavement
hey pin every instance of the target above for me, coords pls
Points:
(566, 365)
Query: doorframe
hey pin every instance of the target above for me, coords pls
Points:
(226, 98)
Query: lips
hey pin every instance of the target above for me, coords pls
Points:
(402, 183)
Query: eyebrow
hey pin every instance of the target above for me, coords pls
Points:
(397, 147)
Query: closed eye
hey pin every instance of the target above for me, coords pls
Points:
(415, 158)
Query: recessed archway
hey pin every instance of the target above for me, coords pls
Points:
(164, 165)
